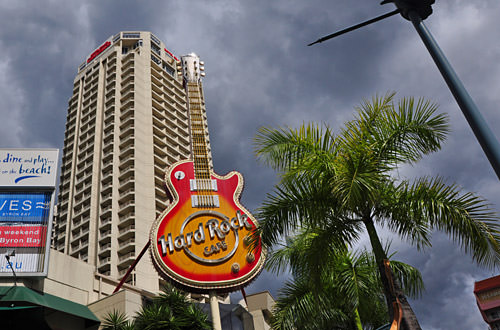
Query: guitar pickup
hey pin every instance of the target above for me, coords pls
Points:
(205, 201)
(203, 184)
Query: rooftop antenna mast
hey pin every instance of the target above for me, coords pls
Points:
(416, 11)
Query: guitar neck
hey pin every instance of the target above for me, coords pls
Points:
(198, 134)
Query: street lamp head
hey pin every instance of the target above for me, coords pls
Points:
(422, 7)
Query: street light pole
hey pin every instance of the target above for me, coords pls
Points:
(416, 11)
(481, 130)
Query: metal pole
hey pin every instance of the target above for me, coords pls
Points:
(11, 268)
(131, 268)
(214, 309)
(481, 130)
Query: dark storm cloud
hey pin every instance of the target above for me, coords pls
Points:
(39, 47)
(261, 73)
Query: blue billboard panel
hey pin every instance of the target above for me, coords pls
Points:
(32, 207)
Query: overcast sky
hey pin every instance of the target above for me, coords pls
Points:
(260, 72)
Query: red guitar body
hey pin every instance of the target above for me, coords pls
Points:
(201, 240)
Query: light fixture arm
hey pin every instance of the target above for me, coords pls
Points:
(355, 27)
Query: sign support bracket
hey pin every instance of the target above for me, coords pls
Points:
(131, 268)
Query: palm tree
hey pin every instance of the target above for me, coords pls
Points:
(350, 177)
(116, 320)
(171, 310)
(331, 287)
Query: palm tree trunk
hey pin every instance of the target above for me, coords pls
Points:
(392, 291)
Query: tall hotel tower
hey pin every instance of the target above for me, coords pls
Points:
(127, 122)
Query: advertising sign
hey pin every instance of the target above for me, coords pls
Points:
(27, 189)
(28, 167)
(202, 240)
(24, 222)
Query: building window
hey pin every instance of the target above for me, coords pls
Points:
(156, 60)
(155, 39)
(156, 49)
(168, 69)
(124, 50)
(131, 35)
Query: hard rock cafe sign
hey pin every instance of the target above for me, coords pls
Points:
(202, 241)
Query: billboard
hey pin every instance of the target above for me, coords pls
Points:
(28, 167)
(27, 190)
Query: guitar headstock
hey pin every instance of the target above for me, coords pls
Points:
(192, 68)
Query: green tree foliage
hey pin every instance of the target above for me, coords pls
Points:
(347, 183)
(116, 320)
(170, 310)
(331, 287)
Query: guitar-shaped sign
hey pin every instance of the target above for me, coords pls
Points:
(202, 240)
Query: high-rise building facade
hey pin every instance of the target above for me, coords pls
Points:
(127, 121)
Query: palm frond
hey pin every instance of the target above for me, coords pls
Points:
(115, 320)
(298, 308)
(285, 148)
(409, 277)
(468, 219)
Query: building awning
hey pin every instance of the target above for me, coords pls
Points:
(20, 301)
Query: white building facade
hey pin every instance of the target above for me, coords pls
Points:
(127, 122)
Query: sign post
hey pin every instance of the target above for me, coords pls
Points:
(214, 308)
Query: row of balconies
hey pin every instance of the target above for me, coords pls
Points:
(111, 70)
(110, 91)
(126, 124)
(89, 93)
(88, 116)
(87, 104)
(78, 220)
(126, 131)
(109, 111)
(165, 82)
(126, 111)
(109, 136)
(88, 128)
(87, 137)
(79, 227)
(76, 87)
(128, 80)
(127, 70)
(82, 237)
(85, 189)
(69, 136)
(81, 207)
(91, 77)
(80, 250)
(88, 109)
(108, 157)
